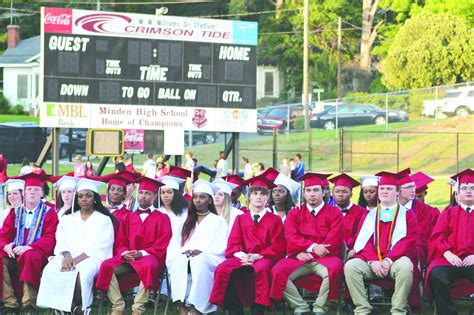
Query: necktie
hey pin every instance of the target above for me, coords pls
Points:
(255, 218)
(313, 212)
(345, 211)
(140, 211)
(468, 210)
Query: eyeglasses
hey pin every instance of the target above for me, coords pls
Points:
(466, 188)
(410, 187)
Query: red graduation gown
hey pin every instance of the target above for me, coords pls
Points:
(151, 235)
(434, 215)
(265, 238)
(404, 247)
(301, 231)
(423, 217)
(453, 232)
(32, 262)
(351, 223)
(120, 215)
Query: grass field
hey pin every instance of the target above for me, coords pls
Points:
(11, 118)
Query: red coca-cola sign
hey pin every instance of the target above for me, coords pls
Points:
(57, 20)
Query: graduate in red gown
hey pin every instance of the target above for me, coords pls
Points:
(451, 248)
(183, 174)
(116, 191)
(28, 239)
(255, 243)
(385, 248)
(314, 241)
(423, 214)
(142, 241)
(237, 191)
(421, 181)
(343, 185)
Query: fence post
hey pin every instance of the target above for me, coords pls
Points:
(275, 155)
(341, 150)
(398, 152)
(457, 152)
(310, 148)
(386, 111)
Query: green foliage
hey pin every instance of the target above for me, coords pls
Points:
(430, 49)
(4, 104)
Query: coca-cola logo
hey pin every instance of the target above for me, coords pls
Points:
(61, 19)
(134, 137)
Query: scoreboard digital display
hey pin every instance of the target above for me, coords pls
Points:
(128, 65)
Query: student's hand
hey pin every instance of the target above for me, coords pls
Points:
(453, 259)
(195, 252)
(9, 250)
(127, 256)
(377, 268)
(20, 250)
(468, 261)
(136, 254)
(68, 262)
(386, 264)
(246, 259)
(350, 254)
(304, 256)
(321, 250)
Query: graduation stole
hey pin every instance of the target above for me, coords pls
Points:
(37, 222)
(377, 231)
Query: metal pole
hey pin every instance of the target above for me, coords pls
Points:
(339, 57)
(235, 152)
(398, 152)
(457, 152)
(436, 107)
(341, 148)
(310, 148)
(386, 111)
(55, 153)
(288, 124)
(275, 155)
(337, 116)
(305, 64)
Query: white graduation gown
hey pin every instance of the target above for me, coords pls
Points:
(176, 221)
(234, 213)
(95, 238)
(210, 237)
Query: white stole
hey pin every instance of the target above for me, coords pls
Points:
(368, 228)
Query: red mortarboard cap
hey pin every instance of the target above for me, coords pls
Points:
(34, 179)
(344, 180)
(404, 177)
(270, 173)
(130, 176)
(115, 179)
(146, 183)
(387, 178)
(313, 179)
(464, 177)
(259, 181)
(234, 179)
(421, 181)
(179, 172)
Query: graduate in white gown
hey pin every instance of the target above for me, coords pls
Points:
(84, 238)
(223, 202)
(66, 186)
(198, 249)
(173, 203)
(14, 197)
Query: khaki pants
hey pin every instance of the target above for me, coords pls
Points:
(357, 270)
(9, 298)
(293, 296)
(115, 296)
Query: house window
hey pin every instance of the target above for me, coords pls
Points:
(36, 85)
(269, 84)
(22, 86)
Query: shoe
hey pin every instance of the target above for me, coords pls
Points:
(319, 313)
(239, 311)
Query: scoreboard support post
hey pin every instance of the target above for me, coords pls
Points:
(55, 151)
(235, 152)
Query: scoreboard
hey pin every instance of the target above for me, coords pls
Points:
(115, 70)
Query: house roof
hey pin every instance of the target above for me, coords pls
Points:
(24, 52)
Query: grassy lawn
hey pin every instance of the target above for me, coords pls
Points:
(11, 118)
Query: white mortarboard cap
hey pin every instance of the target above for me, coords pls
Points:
(290, 184)
(85, 183)
(13, 184)
(171, 182)
(369, 180)
(202, 186)
(66, 182)
(226, 187)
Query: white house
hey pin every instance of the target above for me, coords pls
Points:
(21, 69)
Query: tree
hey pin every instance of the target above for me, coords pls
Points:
(369, 33)
(430, 49)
